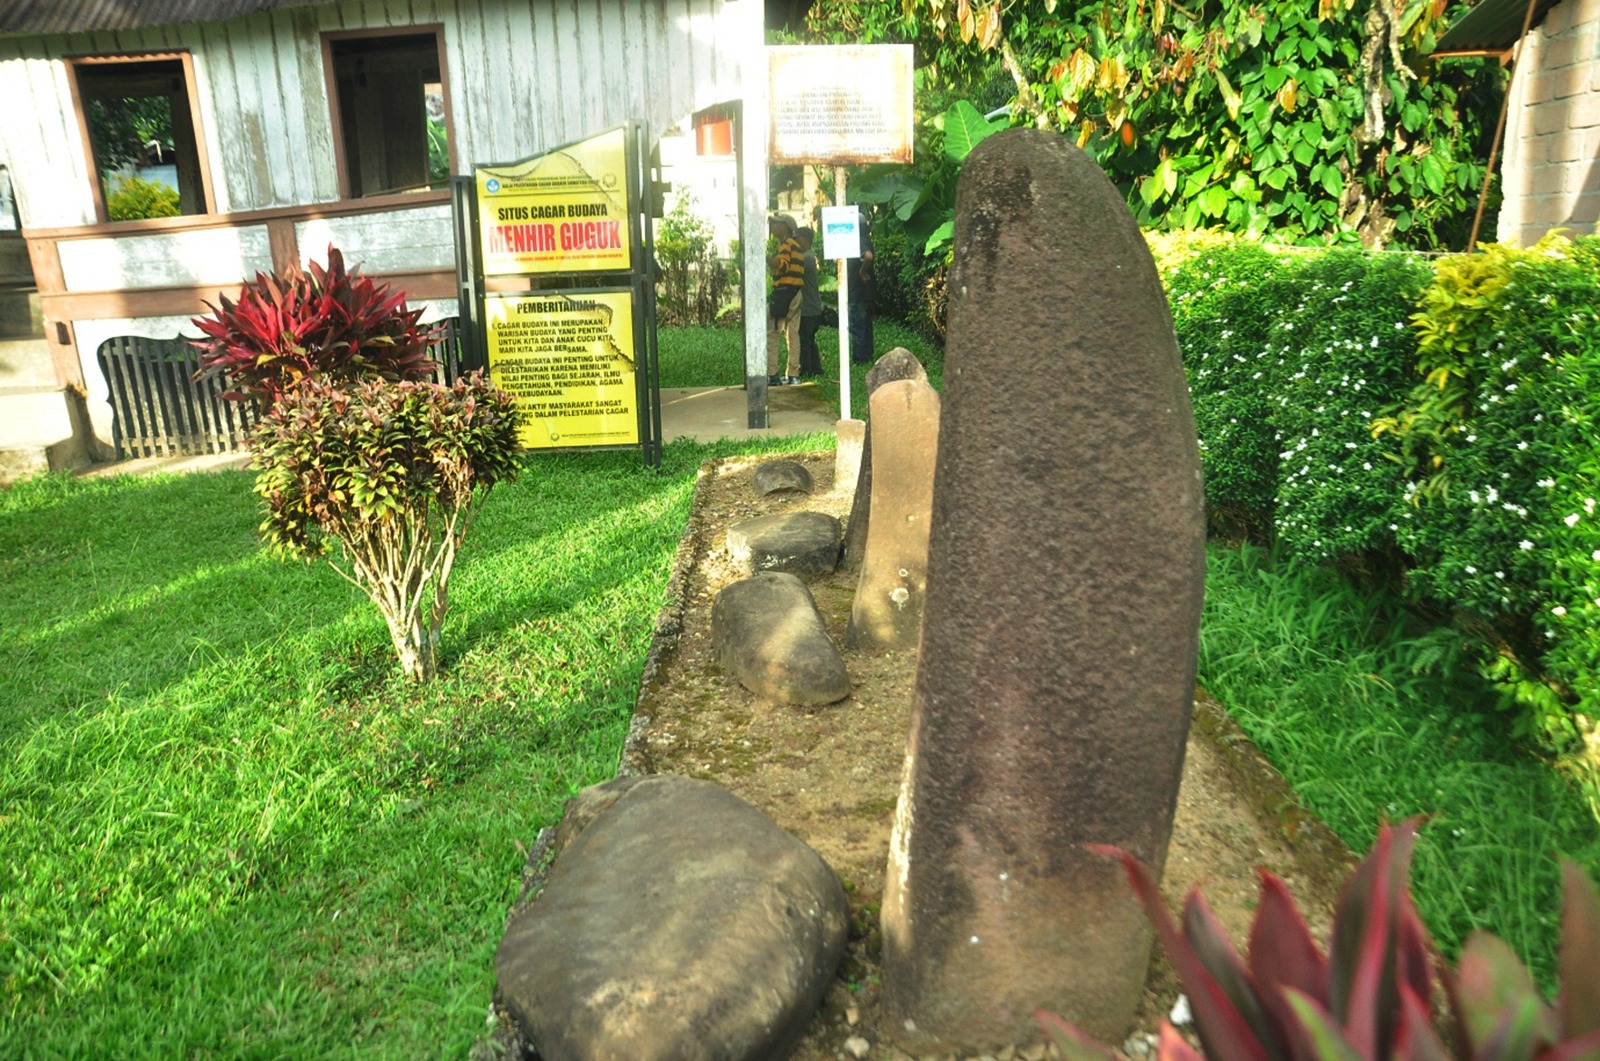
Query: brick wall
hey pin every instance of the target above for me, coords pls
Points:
(1551, 171)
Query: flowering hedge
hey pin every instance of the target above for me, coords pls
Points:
(1436, 425)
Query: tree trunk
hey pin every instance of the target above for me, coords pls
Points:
(414, 646)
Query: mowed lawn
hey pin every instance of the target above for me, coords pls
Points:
(227, 827)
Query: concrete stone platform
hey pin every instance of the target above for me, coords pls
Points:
(707, 414)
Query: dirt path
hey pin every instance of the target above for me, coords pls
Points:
(831, 775)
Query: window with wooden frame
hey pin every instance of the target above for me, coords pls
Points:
(391, 113)
(141, 131)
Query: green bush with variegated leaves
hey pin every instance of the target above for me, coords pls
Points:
(1504, 481)
(1432, 425)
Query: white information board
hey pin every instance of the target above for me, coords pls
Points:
(841, 231)
(839, 103)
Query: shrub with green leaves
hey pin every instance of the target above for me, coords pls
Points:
(328, 322)
(135, 198)
(693, 284)
(392, 472)
(1501, 446)
(1225, 300)
(1348, 350)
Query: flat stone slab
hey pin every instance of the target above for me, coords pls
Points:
(797, 543)
(770, 637)
(770, 477)
(676, 922)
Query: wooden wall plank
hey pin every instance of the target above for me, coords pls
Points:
(399, 241)
(199, 256)
(316, 114)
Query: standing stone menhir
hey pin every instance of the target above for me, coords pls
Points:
(1066, 562)
(897, 364)
(887, 609)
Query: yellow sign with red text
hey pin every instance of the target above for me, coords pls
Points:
(568, 360)
(564, 212)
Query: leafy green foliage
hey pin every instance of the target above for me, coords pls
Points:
(1431, 429)
(1346, 350)
(923, 201)
(1498, 443)
(1314, 124)
(392, 472)
(122, 129)
(134, 198)
(693, 283)
(1371, 995)
(1225, 301)
(328, 322)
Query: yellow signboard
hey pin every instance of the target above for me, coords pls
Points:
(568, 360)
(563, 212)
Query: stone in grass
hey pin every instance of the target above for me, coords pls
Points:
(798, 543)
(769, 636)
(676, 921)
(773, 476)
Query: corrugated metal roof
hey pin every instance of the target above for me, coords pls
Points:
(1492, 26)
(72, 16)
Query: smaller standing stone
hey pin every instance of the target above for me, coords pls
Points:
(799, 543)
(773, 476)
(897, 364)
(887, 612)
(770, 637)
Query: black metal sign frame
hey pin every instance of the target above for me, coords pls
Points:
(473, 286)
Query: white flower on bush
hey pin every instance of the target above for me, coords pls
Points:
(1558, 610)
(1572, 520)
(1525, 545)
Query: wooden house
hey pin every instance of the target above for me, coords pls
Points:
(295, 124)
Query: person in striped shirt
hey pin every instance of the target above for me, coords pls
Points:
(788, 269)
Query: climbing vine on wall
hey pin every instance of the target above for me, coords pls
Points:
(1317, 122)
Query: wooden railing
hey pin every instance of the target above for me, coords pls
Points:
(160, 410)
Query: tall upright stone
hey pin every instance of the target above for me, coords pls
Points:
(887, 609)
(1066, 563)
(897, 364)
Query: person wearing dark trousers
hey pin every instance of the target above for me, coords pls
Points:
(783, 306)
(810, 310)
(859, 277)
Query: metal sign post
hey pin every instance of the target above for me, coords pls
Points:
(841, 239)
(838, 105)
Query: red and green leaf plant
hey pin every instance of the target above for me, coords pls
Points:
(394, 472)
(317, 321)
(1370, 997)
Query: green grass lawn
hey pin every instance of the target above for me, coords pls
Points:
(227, 827)
(714, 357)
(1369, 717)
